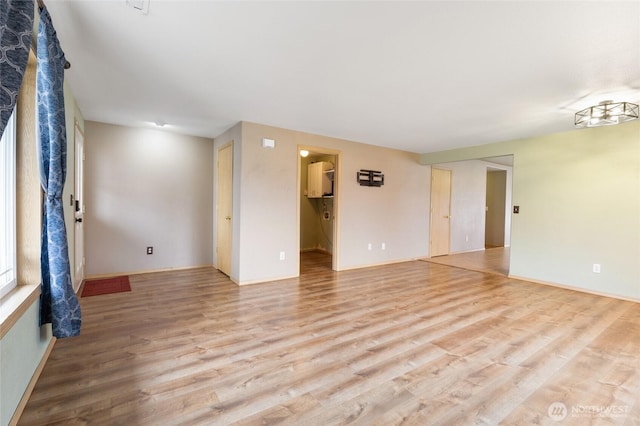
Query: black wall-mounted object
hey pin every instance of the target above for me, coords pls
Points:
(370, 178)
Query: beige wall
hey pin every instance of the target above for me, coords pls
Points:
(579, 198)
(144, 188)
(267, 186)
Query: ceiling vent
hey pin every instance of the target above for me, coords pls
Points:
(141, 5)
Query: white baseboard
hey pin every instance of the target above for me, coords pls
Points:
(370, 265)
(574, 288)
(149, 271)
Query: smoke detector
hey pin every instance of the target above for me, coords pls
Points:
(141, 5)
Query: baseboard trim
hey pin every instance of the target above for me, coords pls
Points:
(265, 281)
(319, 250)
(32, 384)
(468, 251)
(574, 288)
(149, 271)
(371, 265)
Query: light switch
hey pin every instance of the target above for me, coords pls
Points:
(516, 209)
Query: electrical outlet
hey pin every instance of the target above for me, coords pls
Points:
(150, 250)
(596, 268)
(369, 246)
(383, 246)
(282, 255)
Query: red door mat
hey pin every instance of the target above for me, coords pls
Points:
(106, 286)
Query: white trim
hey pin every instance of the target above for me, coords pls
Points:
(574, 288)
(389, 262)
(268, 280)
(14, 304)
(148, 271)
(8, 273)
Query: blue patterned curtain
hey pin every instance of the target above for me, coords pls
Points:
(58, 302)
(16, 28)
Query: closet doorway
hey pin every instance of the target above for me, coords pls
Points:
(496, 206)
(318, 187)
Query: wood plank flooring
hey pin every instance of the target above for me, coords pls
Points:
(410, 343)
(492, 260)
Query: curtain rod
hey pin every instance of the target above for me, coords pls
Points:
(41, 6)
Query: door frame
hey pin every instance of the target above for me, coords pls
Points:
(79, 207)
(503, 214)
(431, 233)
(335, 256)
(230, 145)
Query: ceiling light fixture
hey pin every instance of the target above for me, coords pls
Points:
(304, 153)
(606, 113)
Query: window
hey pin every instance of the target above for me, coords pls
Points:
(8, 208)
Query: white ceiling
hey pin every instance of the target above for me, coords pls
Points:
(418, 76)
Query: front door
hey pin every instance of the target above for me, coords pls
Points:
(440, 211)
(79, 208)
(224, 208)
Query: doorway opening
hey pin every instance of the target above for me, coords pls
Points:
(318, 209)
(479, 218)
(494, 225)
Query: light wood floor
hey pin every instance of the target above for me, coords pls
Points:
(492, 260)
(410, 343)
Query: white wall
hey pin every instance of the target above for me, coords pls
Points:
(468, 202)
(146, 188)
(468, 188)
(396, 214)
(579, 198)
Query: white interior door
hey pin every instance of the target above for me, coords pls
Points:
(440, 211)
(224, 219)
(79, 208)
